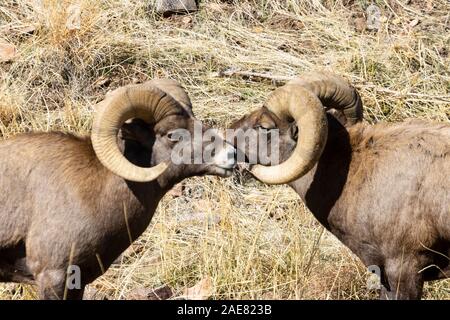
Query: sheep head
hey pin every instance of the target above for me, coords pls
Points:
(152, 118)
(297, 111)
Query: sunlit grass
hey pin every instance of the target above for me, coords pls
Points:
(262, 242)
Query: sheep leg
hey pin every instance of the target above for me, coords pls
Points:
(52, 286)
(404, 282)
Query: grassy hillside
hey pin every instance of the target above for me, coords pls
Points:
(249, 239)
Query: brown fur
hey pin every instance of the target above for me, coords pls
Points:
(383, 190)
(59, 206)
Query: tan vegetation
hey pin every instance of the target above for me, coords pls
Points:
(243, 238)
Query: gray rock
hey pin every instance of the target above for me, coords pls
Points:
(175, 6)
(373, 17)
(91, 293)
(142, 293)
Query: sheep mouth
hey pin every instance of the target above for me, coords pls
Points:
(225, 171)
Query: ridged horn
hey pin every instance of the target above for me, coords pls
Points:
(297, 103)
(149, 102)
(303, 100)
(334, 92)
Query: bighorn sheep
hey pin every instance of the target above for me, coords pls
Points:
(382, 189)
(67, 200)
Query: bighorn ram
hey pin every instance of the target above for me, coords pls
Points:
(67, 200)
(382, 189)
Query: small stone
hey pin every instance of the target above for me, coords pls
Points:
(360, 24)
(161, 293)
(414, 23)
(166, 7)
(373, 13)
(201, 291)
(7, 51)
(91, 293)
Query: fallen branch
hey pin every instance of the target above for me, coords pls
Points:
(444, 98)
(254, 76)
(280, 80)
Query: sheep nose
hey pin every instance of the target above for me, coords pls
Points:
(226, 158)
(232, 153)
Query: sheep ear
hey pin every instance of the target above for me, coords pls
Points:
(136, 130)
(127, 132)
(338, 115)
(293, 131)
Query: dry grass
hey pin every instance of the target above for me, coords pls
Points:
(266, 245)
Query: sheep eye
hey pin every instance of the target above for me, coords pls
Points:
(264, 129)
(173, 137)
